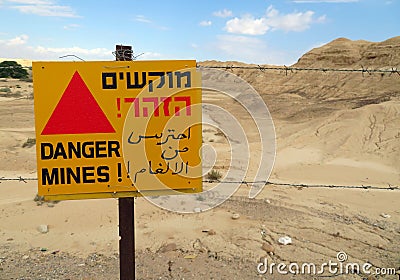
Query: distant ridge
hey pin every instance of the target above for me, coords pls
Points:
(343, 52)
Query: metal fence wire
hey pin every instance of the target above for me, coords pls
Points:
(285, 69)
(249, 183)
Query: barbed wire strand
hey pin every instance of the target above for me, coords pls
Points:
(248, 183)
(19, 178)
(286, 69)
(305, 185)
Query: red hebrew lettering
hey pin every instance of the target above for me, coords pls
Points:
(135, 102)
(154, 100)
(166, 101)
(187, 101)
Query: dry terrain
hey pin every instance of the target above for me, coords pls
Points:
(332, 128)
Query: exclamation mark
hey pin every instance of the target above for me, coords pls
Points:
(119, 107)
(119, 172)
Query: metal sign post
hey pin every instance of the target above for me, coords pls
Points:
(126, 208)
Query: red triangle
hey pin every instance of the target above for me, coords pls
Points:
(77, 112)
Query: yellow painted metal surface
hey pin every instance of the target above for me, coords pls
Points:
(117, 129)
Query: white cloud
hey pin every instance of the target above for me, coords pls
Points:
(19, 47)
(247, 25)
(223, 14)
(205, 23)
(19, 40)
(272, 20)
(42, 8)
(290, 22)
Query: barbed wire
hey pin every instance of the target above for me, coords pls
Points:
(249, 183)
(72, 55)
(287, 69)
(19, 178)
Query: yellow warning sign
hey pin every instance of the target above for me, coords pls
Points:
(117, 129)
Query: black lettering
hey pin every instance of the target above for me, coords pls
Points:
(62, 176)
(48, 179)
(162, 80)
(87, 173)
(170, 79)
(43, 154)
(136, 82)
(179, 75)
(105, 77)
(101, 146)
(59, 151)
(75, 176)
(103, 175)
(90, 149)
(113, 147)
(76, 150)
(88, 152)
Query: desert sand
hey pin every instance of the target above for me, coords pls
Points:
(332, 128)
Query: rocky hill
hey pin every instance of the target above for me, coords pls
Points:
(307, 93)
(345, 53)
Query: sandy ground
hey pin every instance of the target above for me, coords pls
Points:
(351, 147)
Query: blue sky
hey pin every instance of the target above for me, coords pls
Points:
(255, 31)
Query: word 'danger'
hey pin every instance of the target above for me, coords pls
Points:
(138, 80)
(89, 149)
